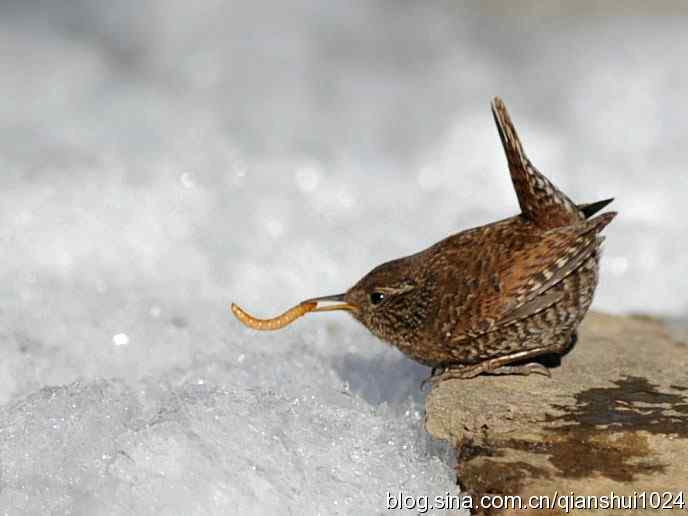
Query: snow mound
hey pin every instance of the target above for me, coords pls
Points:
(105, 448)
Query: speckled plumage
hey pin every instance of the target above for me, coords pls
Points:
(505, 292)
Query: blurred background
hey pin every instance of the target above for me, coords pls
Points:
(160, 159)
(265, 151)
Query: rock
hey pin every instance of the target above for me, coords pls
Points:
(613, 418)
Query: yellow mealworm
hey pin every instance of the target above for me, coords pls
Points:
(276, 322)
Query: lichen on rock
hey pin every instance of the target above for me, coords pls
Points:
(613, 417)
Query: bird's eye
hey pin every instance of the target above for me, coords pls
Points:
(376, 297)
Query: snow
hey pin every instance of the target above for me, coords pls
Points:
(101, 447)
(159, 161)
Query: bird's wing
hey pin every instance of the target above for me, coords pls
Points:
(589, 209)
(524, 277)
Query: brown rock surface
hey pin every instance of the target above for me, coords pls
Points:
(613, 418)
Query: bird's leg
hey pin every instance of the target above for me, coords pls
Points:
(429, 379)
(498, 365)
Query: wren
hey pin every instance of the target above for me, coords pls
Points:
(488, 299)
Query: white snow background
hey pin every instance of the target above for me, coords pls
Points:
(161, 159)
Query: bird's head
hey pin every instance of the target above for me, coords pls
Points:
(392, 301)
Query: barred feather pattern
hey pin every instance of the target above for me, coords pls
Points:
(494, 291)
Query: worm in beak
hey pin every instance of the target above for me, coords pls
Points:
(276, 323)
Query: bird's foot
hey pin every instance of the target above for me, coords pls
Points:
(523, 370)
(440, 374)
(498, 366)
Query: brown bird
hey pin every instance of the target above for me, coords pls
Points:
(488, 297)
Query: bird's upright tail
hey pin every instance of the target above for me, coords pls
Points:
(540, 200)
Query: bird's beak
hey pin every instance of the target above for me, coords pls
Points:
(330, 308)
